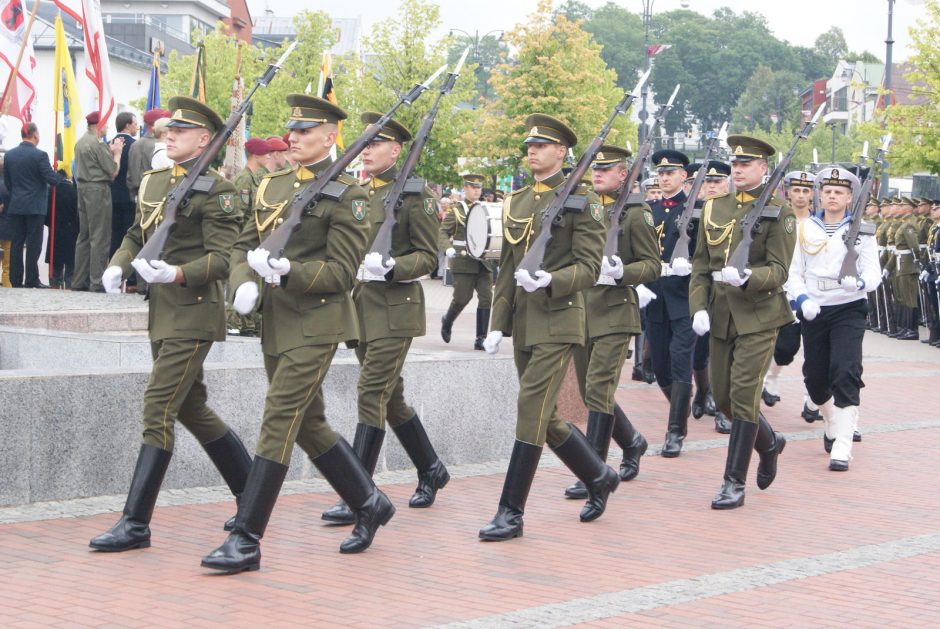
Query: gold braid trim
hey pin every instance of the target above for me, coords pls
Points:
(526, 231)
(461, 220)
(277, 207)
(156, 209)
(804, 245)
(726, 230)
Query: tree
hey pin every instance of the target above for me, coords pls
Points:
(620, 34)
(485, 54)
(557, 70)
(770, 99)
(399, 55)
(916, 127)
(831, 45)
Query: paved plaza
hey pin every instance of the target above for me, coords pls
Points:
(816, 549)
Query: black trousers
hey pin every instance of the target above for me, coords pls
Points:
(700, 358)
(27, 233)
(832, 352)
(122, 217)
(672, 345)
(788, 344)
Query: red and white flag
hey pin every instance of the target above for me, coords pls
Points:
(22, 93)
(97, 63)
(654, 49)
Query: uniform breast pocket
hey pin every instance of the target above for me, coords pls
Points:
(566, 315)
(619, 302)
(321, 314)
(405, 307)
(191, 296)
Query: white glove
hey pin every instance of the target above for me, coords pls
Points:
(612, 267)
(450, 252)
(265, 266)
(542, 279)
(884, 274)
(645, 295)
(810, 309)
(924, 275)
(701, 324)
(373, 264)
(245, 298)
(156, 272)
(851, 283)
(111, 279)
(681, 267)
(730, 275)
(529, 283)
(491, 342)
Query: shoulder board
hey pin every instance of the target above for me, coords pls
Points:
(771, 212)
(515, 192)
(279, 173)
(867, 228)
(349, 180)
(414, 185)
(157, 170)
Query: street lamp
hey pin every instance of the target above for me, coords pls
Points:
(475, 39)
(889, 42)
(647, 18)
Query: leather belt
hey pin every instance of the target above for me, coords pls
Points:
(827, 284)
(365, 276)
(460, 243)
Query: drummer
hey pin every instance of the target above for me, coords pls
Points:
(469, 273)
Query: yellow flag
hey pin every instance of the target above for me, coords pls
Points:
(65, 101)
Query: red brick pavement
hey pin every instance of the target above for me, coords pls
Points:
(427, 566)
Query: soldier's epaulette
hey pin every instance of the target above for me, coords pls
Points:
(867, 229)
(515, 192)
(277, 173)
(771, 212)
(157, 170)
(349, 180)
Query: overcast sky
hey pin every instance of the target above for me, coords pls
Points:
(865, 22)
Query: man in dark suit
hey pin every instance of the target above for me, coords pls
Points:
(122, 203)
(27, 175)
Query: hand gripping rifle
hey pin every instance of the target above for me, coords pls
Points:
(325, 185)
(639, 161)
(404, 183)
(740, 255)
(565, 199)
(850, 262)
(681, 250)
(195, 180)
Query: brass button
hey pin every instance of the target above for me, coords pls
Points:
(172, 179)
(666, 210)
(463, 253)
(407, 298)
(740, 206)
(322, 301)
(296, 184)
(371, 192)
(570, 304)
(199, 298)
(538, 196)
(279, 221)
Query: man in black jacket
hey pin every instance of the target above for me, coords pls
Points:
(27, 175)
(122, 203)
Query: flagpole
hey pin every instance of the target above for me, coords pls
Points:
(15, 70)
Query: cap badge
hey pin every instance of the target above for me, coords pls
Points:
(297, 112)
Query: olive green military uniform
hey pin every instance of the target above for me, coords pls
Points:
(904, 268)
(94, 166)
(745, 319)
(470, 274)
(309, 312)
(184, 319)
(546, 324)
(391, 312)
(246, 187)
(139, 161)
(613, 313)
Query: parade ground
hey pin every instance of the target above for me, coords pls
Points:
(817, 549)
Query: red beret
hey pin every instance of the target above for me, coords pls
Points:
(257, 146)
(93, 117)
(286, 138)
(155, 114)
(277, 144)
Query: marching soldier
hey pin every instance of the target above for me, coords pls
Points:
(544, 314)
(246, 185)
(187, 314)
(743, 314)
(669, 326)
(612, 316)
(390, 304)
(873, 216)
(469, 274)
(307, 312)
(882, 235)
(906, 245)
(834, 310)
(926, 286)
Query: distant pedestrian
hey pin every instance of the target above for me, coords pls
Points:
(27, 175)
(122, 203)
(63, 232)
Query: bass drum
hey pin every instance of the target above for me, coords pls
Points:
(485, 231)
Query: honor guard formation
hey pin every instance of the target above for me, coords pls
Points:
(714, 277)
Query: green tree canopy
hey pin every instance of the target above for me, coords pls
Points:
(770, 99)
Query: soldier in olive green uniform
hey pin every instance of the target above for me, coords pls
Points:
(882, 236)
(613, 316)
(96, 165)
(469, 273)
(743, 314)
(307, 312)
(903, 265)
(186, 315)
(390, 304)
(246, 186)
(544, 314)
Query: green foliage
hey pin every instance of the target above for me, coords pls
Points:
(768, 94)
(831, 45)
(620, 34)
(485, 54)
(848, 147)
(916, 128)
(400, 55)
(557, 70)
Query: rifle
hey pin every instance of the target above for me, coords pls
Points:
(325, 186)
(195, 181)
(850, 262)
(404, 183)
(739, 258)
(681, 250)
(565, 199)
(639, 163)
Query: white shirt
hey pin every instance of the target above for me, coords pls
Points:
(160, 160)
(816, 267)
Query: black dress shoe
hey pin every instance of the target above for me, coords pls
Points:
(637, 375)
(809, 415)
(827, 443)
(769, 398)
(856, 436)
(838, 466)
(722, 424)
(37, 285)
